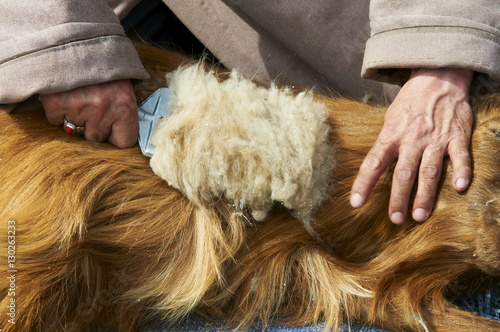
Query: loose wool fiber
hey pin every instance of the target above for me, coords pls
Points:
(251, 145)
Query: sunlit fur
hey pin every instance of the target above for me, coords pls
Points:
(101, 241)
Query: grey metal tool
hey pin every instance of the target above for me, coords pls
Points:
(154, 108)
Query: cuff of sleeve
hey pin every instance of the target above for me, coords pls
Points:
(68, 66)
(389, 55)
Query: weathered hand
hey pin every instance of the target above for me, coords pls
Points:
(429, 118)
(107, 110)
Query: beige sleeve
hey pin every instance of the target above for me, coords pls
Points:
(49, 46)
(432, 34)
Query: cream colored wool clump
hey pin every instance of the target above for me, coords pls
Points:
(249, 144)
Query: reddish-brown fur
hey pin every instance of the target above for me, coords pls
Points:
(101, 241)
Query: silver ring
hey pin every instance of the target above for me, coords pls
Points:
(71, 129)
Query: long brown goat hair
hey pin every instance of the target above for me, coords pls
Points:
(92, 238)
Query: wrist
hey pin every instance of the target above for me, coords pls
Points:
(459, 76)
(462, 78)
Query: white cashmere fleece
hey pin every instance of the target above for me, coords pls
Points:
(249, 144)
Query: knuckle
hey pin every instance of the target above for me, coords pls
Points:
(403, 173)
(372, 162)
(429, 172)
(126, 109)
(99, 102)
(75, 107)
(105, 124)
(128, 97)
(462, 154)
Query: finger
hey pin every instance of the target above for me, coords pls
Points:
(428, 181)
(374, 164)
(458, 151)
(402, 184)
(125, 130)
(53, 107)
(96, 133)
(97, 127)
(100, 112)
(90, 113)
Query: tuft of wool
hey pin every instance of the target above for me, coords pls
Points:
(251, 145)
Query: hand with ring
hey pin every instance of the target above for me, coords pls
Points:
(101, 112)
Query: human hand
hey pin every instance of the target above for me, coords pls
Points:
(108, 111)
(429, 118)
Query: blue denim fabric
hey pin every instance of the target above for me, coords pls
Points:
(485, 304)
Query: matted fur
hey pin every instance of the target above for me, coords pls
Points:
(249, 144)
(102, 241)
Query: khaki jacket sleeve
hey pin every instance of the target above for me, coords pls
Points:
(431, 34)
(49, 46)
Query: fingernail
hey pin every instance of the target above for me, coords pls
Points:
(420, 215)
(461, 183)
(397, 218)
(356, 200)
